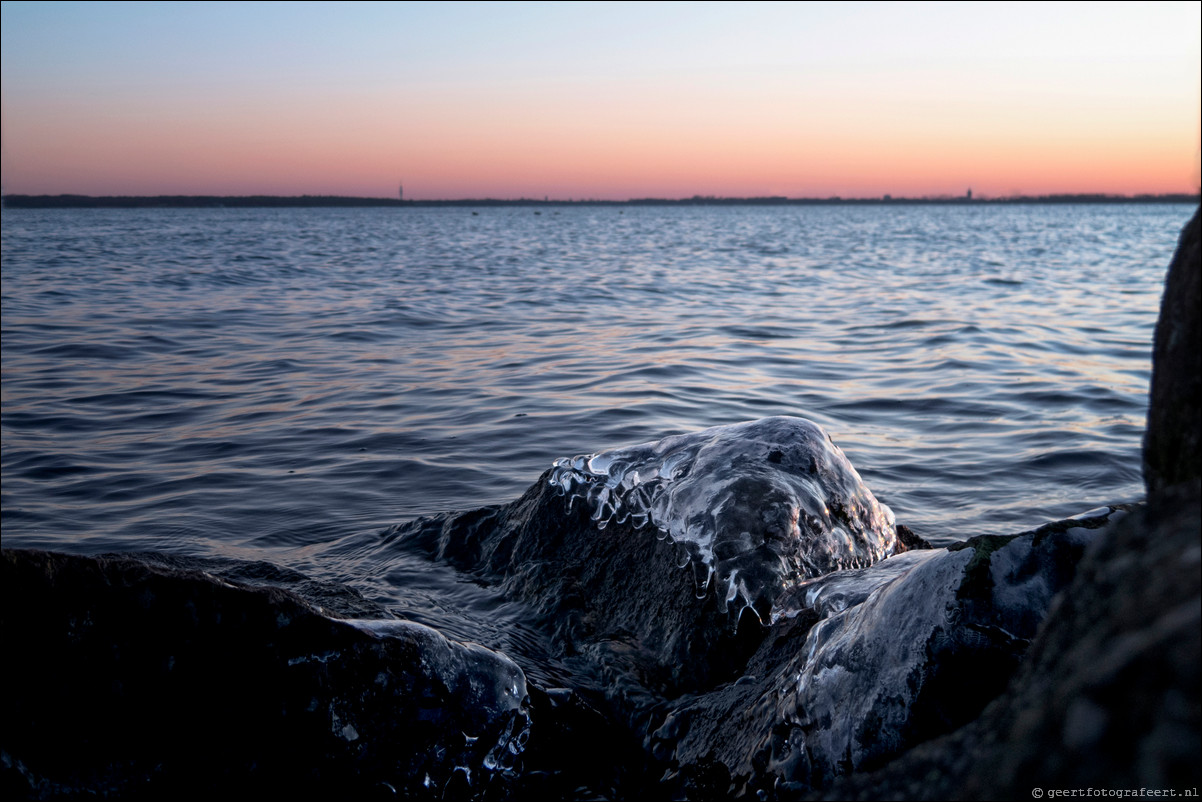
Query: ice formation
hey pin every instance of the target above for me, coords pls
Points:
(851, 693)
(834, 593)
(757, 506)
(852, 686)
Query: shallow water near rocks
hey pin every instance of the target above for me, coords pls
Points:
(282, 385)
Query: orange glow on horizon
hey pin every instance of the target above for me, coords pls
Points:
(866, 115)
(181, 157)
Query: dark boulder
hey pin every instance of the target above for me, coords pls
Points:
(140, 674)
(620, 599)
(773, 686)
(1108, 696)
(663, 560)
(861, 665)
(127, 677)
(1173, 441)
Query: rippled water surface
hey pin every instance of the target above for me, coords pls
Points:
(283, 384)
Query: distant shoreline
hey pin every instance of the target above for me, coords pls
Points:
(274, 201)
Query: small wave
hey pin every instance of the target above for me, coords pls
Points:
(89, 351)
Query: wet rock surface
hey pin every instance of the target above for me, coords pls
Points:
(1173, 441)
(836, 672)
(752, 506)
(129, 678)
(860, 665)
(159, 666)
(736, 515)
(621, 599)
(1107, 696)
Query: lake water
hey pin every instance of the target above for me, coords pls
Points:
(282, 385)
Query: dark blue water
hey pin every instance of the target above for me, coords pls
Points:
(283, 384)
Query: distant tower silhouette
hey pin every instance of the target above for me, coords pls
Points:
(968, 195)
(401, 191)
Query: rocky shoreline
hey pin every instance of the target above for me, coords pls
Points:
(716, 651)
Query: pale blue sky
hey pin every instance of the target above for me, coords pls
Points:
(418, 73)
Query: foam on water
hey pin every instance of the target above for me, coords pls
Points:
(757, 506)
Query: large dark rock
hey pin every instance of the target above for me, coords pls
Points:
(1107, 698)
(1173, 441)
(813, 673)
(127, 677)
(861, 665)
(662, 561)
(618, 599)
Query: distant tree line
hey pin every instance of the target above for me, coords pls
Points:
(275, 201)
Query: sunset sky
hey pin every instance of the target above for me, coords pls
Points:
(600, 100)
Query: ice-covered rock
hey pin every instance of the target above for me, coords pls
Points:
(1107, 694)
(857, 649)
(743, 512)
(862, 664)
(756, 505)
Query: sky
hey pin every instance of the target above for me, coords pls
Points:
(600, 100)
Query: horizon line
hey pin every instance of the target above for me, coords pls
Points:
(68, 200)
